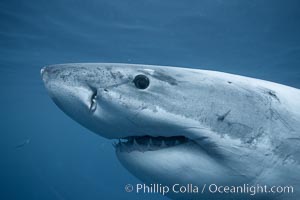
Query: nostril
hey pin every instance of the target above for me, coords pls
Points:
(93, 105)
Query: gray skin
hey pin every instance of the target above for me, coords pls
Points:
(240, 130)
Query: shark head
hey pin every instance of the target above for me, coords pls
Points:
(174, 125)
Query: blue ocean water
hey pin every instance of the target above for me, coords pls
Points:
(46, 155)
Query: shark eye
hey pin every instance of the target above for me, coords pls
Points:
(141, 81)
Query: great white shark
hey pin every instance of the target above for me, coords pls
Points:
(187, 126)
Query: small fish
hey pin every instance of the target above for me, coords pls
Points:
(25, 142)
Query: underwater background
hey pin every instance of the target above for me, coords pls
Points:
(46, 155)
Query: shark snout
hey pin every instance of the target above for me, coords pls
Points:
(52, 73)
(72, 96)
(44, 73)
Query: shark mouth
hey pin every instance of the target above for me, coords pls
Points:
(148, 143)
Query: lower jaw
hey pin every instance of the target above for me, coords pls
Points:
(149, 143)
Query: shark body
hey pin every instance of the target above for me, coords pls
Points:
(187, 126)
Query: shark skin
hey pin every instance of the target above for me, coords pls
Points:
(187, 126)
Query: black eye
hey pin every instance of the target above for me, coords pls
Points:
(141, 81)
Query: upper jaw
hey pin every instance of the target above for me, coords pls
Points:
(149, 143)
(162, 141)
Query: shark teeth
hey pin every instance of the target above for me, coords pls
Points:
(134, 142)
(148, 143)
(163, 144)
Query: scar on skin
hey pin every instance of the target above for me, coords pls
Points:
(273, 94)
(162, 76)
(222, 117)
